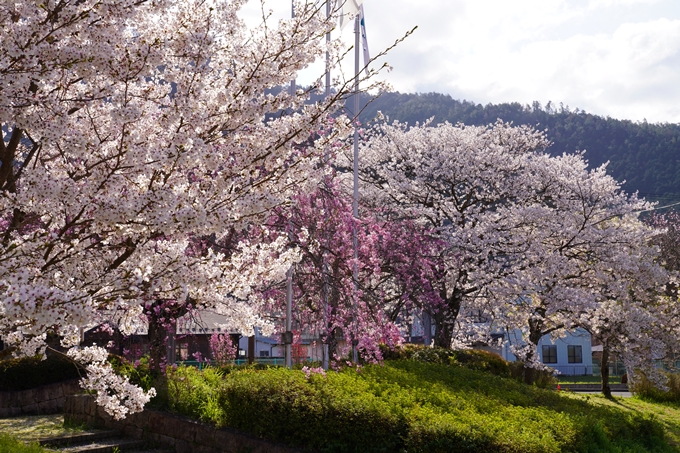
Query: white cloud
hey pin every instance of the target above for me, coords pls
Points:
(611, 57)
(618, 3)
(618, 58)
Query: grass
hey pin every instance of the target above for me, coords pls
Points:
(10, 444)
(668, 415)
(409, 407)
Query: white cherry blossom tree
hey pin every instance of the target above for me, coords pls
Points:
(465, 183)
(533, 242)
(129, 129)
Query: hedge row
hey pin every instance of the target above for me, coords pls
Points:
(473, 359)
(406, 406)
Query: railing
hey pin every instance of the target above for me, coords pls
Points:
(275, 361)
(615, 369)
(574, 370)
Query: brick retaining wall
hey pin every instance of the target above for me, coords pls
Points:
(183, 434)
(48, 399)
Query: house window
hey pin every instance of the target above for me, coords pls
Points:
(575, 354)
(549, 353)
(264, 353)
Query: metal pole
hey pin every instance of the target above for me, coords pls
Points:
(328, 57)
(324, 270)
(287, 339)
(355, 201)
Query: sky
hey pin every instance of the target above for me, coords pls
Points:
(617, 58)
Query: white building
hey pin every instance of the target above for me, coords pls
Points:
(570, 355)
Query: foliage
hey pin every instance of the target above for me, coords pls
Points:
(393, 269)
(473, 359)
(408, 406)
(30, 372)
(647, 389)
(542, 378)
(10, 444)
(476, 359)
(419, 353)
(195, 393)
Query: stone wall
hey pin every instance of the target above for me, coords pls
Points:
(181, 433)
(48, 399)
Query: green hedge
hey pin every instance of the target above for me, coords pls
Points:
(406, 406)
(473, 359)
(30, 372)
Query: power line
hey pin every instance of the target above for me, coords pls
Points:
(661, 207)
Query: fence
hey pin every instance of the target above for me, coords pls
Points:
(276, 361)
(615, 368)
(575, 370)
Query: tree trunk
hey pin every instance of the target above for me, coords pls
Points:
(162, 315)
(445, 320)
(157, 335)
(535, 334)
(604, 372)
(443, 333)
(529, 375)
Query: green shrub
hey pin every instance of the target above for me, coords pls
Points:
(645, 389)
(333, 414)
(542, 378)
(402, 352)
(10, 444)
(408, 406)
(476, 359)
(31, 372)
(139, 372)
(195, 392)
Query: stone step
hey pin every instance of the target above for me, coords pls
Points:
(152, 450)
(112, 445)
(79, 438)
(94, 442)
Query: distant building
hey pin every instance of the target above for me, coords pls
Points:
(570, 355)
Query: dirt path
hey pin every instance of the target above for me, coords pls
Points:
(32, 427)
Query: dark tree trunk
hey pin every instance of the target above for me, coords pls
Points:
(445, 319)
(535, 334)
(158, 336)
(162, 315)
(604, 372)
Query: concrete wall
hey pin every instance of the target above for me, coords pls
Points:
(183, 434)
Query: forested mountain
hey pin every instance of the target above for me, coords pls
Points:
(645, 155)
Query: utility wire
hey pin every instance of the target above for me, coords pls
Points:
(660, 207)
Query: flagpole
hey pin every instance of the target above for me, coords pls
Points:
(355, 201)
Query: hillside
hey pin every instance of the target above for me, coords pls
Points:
(646, 156)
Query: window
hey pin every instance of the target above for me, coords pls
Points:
(549, 353)
(264, 353)
(574, 354)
